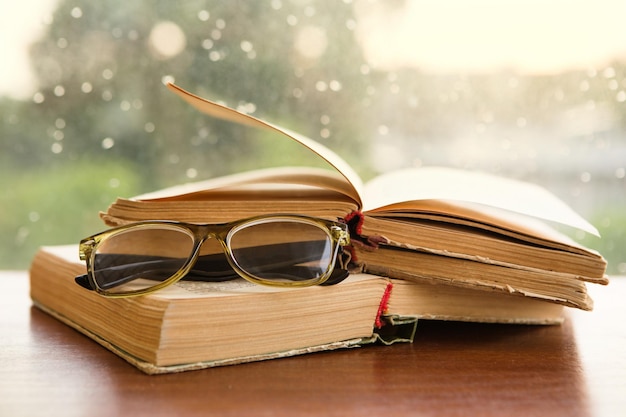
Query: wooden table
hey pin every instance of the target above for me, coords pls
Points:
(453, 369)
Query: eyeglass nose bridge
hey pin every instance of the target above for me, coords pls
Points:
(203, 233)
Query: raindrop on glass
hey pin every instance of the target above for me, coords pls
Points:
(107, 143)
(107, 74)
(335, 85)
(86, 87)
(585, 177)
(76, 13)
(321, 86)
(246, 46)
(56, 148)
(204, 15)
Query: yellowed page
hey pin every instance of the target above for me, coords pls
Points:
(468, 189)
(226, 113)
(299, 178)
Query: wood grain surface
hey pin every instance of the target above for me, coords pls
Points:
(452, 369)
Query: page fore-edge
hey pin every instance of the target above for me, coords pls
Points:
(399, 329)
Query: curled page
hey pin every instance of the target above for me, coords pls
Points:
(226, 113)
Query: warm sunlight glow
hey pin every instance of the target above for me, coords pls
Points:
(528, 35)
(21, 23)
(434, 35)
(167, 39)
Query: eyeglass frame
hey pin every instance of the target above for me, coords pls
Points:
(200, 232)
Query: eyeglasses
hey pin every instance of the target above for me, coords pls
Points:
(274, 250)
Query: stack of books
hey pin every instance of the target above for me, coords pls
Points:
(427, 244)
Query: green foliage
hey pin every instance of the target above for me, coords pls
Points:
(57, 206)
(240, 52)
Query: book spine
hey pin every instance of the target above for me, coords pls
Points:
(355, 220)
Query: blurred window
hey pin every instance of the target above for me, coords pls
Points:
(526, 89)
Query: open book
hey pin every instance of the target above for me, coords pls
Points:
(194, 325)
(429, 225)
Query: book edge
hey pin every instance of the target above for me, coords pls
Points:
(152, 369)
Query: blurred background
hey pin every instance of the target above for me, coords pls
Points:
(528, 89)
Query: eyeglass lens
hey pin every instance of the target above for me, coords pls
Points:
(139, 258)
(279, 250)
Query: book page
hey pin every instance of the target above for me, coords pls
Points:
(282, 178)
(201, 289)
(226, 113)
(470, 189)
(418, 184)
